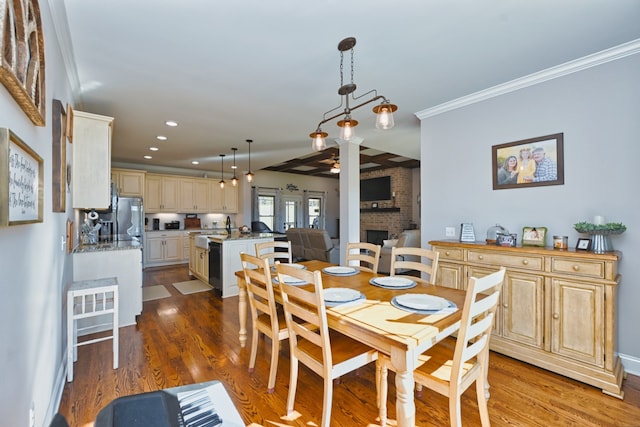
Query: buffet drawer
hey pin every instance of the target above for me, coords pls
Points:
(449, 254)
(528, 262)
(580, 267)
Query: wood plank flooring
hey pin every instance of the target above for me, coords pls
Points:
(186, 339)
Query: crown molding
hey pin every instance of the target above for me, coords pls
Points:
(599, 58)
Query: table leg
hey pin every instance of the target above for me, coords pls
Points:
(242, 311)
(405, 405)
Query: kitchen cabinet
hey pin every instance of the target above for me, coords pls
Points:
(161, 192)
(163, 248)
(129, 182)
(223, 200)
(126, 266)
(198, 261)
(194, 195)
(557, 308)
(91, 170)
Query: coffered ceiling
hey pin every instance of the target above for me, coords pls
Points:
(268, 70)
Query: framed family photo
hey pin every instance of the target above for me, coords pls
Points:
(530, 162)
(534, 236)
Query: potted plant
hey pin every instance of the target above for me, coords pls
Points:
(600, 233)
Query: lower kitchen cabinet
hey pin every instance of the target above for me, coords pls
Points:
(163, 248)
(557, 308)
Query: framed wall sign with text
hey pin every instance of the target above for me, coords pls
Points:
(21, 181)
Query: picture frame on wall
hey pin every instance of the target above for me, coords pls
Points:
(21, 181)
(529, 162)
(534, 236)
(58, 158)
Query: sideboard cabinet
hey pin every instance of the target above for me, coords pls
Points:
(557, 308)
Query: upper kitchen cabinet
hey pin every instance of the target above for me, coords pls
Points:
(129, 182)
(194, 195)
(91, 171)
(161, 193)
(224, 200)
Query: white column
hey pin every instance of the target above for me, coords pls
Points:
(349, 192)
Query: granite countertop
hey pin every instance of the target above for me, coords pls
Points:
(119, 245)
(238, 236)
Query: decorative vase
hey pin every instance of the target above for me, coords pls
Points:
(601, 243)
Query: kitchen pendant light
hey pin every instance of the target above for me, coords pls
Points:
(384, 111)
(234, 180)
(249, 174)
(222, 170)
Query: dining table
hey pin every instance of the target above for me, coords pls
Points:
(379, 322)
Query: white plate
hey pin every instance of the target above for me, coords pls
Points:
(290, 280)
(339, 270)
(340, 295)
(300, 266)
(392, 282)
(422, 301)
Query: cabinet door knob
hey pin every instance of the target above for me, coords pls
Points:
(525, 261)
(556, 316)
(576, 267)
(447, 253)
(505, 305)
(480, 257)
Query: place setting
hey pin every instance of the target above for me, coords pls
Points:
(294, 265)
(424, 304)
(393, 282)
(289, 280)
(339, 270)
(334, 297)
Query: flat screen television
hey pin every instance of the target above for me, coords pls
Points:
(373, 189)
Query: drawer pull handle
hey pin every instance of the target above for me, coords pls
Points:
(525, 261)
(447, 253)
(480, 257)
(556, 316)
(505, 305)
(576, 267)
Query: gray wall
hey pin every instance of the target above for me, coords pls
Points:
(598, 110)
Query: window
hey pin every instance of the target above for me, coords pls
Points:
(313, 212)
(266, 210)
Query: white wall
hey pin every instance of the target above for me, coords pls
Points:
(34, 270)
(598, 110)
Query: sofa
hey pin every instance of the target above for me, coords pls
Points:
(313, 243)
(407, 239)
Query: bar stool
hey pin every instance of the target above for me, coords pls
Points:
(87, 299)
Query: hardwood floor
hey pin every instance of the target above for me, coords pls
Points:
(186, 339)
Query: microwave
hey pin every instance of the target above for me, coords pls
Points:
(172, 225)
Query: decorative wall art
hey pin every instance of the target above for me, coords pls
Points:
(21, 181)
(58, 158)
(529, 163)
(22, 56)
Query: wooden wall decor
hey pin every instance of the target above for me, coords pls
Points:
(58, 158)
(22, 56)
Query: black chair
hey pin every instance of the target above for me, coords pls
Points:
(260, 227)
(58, 421)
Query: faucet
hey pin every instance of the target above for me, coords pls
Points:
(228, 224)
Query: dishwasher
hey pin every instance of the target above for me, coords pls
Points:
(215, 266)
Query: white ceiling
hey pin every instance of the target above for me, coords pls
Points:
(267, 70)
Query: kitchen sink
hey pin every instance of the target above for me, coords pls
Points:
(202, 241)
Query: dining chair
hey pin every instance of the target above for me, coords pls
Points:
(405, 259)
(265, 317)
(328, 353)
(276, 250)
(366, 253)
(450, 370)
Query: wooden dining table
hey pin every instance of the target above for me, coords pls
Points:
(400, 334)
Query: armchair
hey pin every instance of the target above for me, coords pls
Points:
(408, 238)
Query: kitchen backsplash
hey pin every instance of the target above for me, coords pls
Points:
(206, 220)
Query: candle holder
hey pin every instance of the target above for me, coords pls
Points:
(600, 240)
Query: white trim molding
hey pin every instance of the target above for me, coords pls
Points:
(631, 364)
(612, 54)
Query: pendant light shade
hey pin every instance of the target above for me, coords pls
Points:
(222, 170)
(249, 174)
(234, 180)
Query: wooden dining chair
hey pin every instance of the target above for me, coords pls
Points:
(405, 259)
(450, 370)
(276, 250)
(367, 256)
(329, 354)
(265, 317)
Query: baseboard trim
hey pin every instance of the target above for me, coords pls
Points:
(631, 364)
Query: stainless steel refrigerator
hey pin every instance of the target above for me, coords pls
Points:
(124, 220)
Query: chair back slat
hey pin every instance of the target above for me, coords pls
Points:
(362, 252)
(404, 258)
(274, 251)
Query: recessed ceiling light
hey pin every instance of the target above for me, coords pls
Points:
(148, 157)
(161, 137)
(153, 148)
(195, 162)
(171, 123)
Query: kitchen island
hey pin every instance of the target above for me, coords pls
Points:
(120, 259)
(221, 253)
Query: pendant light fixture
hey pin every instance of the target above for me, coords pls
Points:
(222, 170)
(249, 174)
(234, 180)
(384, 111)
